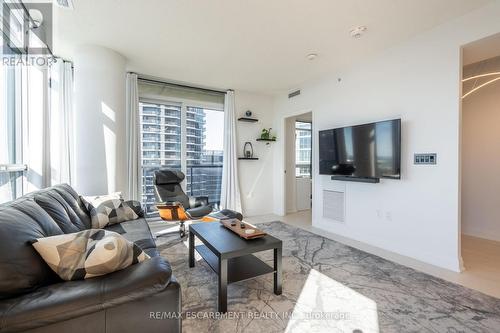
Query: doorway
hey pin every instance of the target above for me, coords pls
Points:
(480, 162)
(299, 166)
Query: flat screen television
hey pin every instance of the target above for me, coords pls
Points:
(363, 151)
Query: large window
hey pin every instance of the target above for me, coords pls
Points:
(303, 149)
(204, 150)
(182, 135)
(24, 105)
(161, 143)
(11, 169)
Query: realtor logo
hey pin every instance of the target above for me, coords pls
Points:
(26, 27)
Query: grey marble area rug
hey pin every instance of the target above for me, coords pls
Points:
(328, 287)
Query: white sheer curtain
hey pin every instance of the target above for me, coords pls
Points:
(60, 118)
(230, 188)
(133, 139)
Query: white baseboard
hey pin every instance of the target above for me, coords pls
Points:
(482, 235)
(389, 255)
(254, 213)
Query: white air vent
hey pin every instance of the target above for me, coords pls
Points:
(334, 205)
(294, 93)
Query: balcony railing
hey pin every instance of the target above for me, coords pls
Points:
(11, 181)
(196, 171)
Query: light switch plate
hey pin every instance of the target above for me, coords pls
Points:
(426, 159)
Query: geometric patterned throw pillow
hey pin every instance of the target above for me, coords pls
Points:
(97, 199)
(88, 253)
(108, 209)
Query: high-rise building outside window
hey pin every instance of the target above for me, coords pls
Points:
(303, 149)
(183, 136)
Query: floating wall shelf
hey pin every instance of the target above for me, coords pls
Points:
(268, 140)
(248, 158)
(248, 120)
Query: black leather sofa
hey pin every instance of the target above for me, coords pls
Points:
(141, 298)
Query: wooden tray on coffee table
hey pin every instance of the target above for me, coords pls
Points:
(237, 229)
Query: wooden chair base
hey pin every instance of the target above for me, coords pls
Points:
(175, 212)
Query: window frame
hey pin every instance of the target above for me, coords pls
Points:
(183, 103)
(14, 78)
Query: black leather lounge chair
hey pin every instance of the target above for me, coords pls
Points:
(168, 190)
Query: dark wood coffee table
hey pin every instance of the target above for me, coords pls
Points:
(230, 256)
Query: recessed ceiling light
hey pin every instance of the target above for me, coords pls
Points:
(358, 31)
(312, 56)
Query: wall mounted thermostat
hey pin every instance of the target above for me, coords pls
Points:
(425, 159)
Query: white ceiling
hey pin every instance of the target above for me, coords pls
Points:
(482, 49)
(255, 45)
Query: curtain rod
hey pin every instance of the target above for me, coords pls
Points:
(142, 78)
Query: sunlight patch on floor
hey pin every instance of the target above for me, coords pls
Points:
(326, 305)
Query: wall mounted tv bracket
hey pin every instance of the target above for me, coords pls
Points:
(357, 179)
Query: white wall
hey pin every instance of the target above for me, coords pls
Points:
(255, 176)
(481, 156)
(99, 120)
(100, 131)
(418, 81)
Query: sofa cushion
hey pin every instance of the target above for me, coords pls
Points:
(136, 231)
(21, 268)
(200, 211)
(59, 210)
(89, 253)
(75, 202)
(70, 299)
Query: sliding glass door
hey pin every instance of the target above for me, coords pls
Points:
(204, 152)
(161, 143)
(183, 135)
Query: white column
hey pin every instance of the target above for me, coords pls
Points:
(99, 120)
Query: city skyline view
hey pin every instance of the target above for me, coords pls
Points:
(162, 136)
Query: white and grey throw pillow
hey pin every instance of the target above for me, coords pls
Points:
(97, 199)
(108, 209)
(88, 253)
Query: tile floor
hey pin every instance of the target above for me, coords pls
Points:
(481, 257)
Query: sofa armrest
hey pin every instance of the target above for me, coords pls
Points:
(67, 300)
(136, 207)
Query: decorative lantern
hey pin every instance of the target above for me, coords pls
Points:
(248, 150)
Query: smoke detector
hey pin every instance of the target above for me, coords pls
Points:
(358, 32)
(312, 56)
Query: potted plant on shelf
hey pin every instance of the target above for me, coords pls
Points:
(266, 135)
